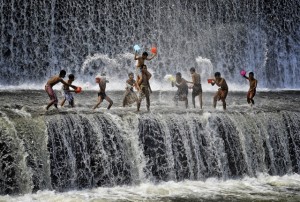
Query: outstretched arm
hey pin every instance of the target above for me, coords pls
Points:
(65, 83)
(136, 56)
(150, 58)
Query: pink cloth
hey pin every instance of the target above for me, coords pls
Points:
(51, 94)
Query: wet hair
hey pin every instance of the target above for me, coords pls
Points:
(217, 74)
(71, 76)
(192, 69)
(62, 73)
(178, 74)
(130, 73)
(251, 73)
(145, 54)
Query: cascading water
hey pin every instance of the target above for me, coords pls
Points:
(75, 151)
(38, 38)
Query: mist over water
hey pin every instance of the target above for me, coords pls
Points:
(38, 38)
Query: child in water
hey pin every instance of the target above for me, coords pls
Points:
(49, 87)
(130, 96)
(183, 90)
(67, 92)
(252, 90)
(101, 80)
(222, 92)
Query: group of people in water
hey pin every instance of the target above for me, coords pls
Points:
(142, 85)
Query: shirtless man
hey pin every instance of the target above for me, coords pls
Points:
(183, 90)
(197, 88)
(143, 83)
(102, 95)
(252, 90)
(222, 92)
(141, 62)
(49, 87)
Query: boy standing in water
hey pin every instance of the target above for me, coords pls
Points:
(67, 92)
(130, 96)
(145, 91)
(102, 95)
(197, 88)
(183, 90)
(49, 85)
(252, 90)
(222, 92)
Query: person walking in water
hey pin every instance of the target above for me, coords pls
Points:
(101, 80)
(130, 96)
(145, 91)
(183, 90)
(252, 90)
(197, 88)
(49, 87)
(222, 92)
(67, 92)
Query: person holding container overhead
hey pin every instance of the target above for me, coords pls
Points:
(101, 80)
(141, 60)
(222, 92)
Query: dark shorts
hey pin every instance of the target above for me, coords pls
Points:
(197, 89)
(102, 95)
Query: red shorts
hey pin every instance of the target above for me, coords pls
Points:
(51, 94)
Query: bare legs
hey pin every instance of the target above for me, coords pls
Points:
(100, 101)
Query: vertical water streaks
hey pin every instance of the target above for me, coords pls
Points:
(86, 151)
(40, 37)
(15, 176)
(76, 150)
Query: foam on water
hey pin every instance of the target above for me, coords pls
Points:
(261, 188)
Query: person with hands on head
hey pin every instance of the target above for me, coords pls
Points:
(52, 82)
(101, 80)
(183, 90)
(222, 92)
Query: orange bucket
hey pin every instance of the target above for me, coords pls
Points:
(154, 50)
(209, 80)
(78, 90)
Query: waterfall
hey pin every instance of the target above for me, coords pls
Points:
(70, 150)
(38, 38)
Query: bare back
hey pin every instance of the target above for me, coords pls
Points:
(54, 80)
(196, 79)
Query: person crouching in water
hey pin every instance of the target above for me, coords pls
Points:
(197, 88)
(222, 92)
(183, 89)
(144, 86)
(252, 90)
(130, 96)
(67, 92)
(101, 94)
(49, 87)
